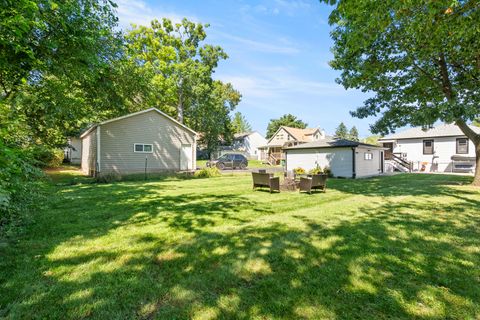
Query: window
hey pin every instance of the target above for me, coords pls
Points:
(428, 147)
(142, 148)
(462, 146)
(368, 156)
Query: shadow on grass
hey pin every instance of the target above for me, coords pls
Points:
(399, 260)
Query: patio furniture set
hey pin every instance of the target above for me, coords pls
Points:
(291, 182)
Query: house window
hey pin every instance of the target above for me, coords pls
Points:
(462, 146)
(368, 156)
(428, 147)
(142, 148)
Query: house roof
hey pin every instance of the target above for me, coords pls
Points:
(297, 133)
(332, 143)
(136, 114)
(444, 130)
(300, 134)
(242, 134)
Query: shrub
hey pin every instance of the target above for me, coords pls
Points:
(299, 170)
(328, 171)
(21, 188)
(46, 157)
(207, 173)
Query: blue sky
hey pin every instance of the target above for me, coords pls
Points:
(278, 56)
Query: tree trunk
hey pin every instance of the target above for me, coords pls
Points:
(180, 107)
(475, 138)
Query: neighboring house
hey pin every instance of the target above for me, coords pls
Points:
(249, 143)
(286, 137)
(345, 158)
(148, 140)
(73, 151)
(440, 149)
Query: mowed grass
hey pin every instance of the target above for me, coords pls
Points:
(252, 164)
(398, 247)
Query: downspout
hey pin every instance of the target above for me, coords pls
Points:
(354, 165)
(98, 152)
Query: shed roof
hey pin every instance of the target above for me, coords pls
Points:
(135, 114)
(332, 143)
(444, 130)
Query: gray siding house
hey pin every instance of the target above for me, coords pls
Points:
(148, 139)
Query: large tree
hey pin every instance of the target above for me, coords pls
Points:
(179, 65)
(341, 132)
(419, 59)
(287, 120)
(240, 123)
(55, 59)
(353, 134)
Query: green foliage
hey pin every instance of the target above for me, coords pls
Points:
(328, 171)
(20, 189)
(207, 173)
(46, 157)
(372, 140)
(476, 122)
(287, 120)
(353, 134)
(240, 123)
(178, 69)
(419, 59)
(299, 170)
(341, 132)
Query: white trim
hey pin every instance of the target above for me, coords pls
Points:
(370, 155)
(142, 144)
(98, 149)
(135, 114)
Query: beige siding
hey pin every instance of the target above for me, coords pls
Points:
(280, 138)
(89, 153)
(117, 141)
(366, 168)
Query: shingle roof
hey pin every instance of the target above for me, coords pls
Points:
(444, 130)
(242, 134)
(332, 143)
(300, 134)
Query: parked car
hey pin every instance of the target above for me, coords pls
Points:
(230, 160)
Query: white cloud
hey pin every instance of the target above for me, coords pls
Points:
(277, 86)
(281, 48)
(139, 12)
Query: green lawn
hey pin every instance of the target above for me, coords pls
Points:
(252, 164)
(398, 247)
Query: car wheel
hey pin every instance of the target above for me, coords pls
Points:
(243, 166)
(220, 166)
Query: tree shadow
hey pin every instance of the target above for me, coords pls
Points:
(394, 260)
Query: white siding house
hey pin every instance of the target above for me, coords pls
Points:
(249, 143)
(345, 158)
(73, 152)
(440, 149)
(147, 140)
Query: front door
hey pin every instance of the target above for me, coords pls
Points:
(186, 157)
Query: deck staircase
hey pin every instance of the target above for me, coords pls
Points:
(399, 164)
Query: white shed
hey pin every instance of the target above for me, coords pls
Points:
(345, 158)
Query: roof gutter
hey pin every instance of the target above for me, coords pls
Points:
(354, 165)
